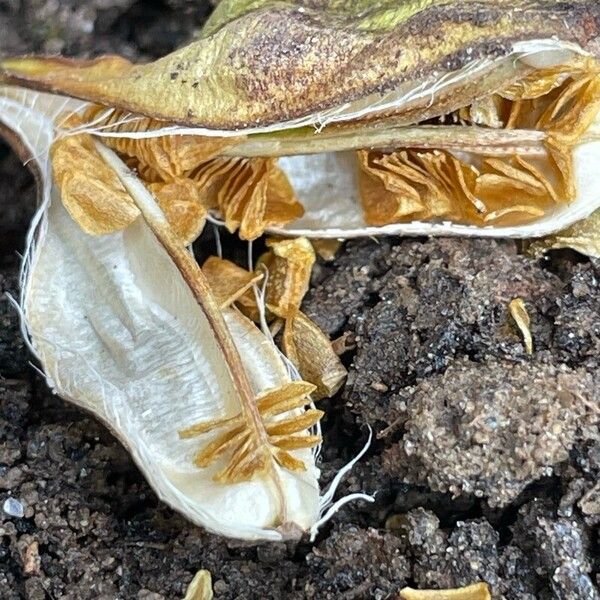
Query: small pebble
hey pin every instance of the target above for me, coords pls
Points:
(220, 587)
(379, 387)
(13, 508)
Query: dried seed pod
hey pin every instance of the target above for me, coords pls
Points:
(492, 132)
(220, 82)
(125, 326)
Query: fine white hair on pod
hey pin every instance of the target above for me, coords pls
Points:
(327, 507)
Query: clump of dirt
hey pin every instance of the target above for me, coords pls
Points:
(576, 336)
(434, 302)
(427, 304)
(558, 550)
(356, 563)
(490, 429)
(544, 558)
(341, 289)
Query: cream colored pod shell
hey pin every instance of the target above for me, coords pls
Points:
(118, 333)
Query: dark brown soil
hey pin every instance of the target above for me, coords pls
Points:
(486, 460)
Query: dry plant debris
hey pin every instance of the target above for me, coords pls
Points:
(112, 256)
(248, 457)
(200, 588)
(477, 591)
(286, 268)
(518, 312)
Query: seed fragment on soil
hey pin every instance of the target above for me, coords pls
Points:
(200, 588)
(520, 315)
(477, 591)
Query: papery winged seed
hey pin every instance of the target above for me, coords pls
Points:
(295, 442)
(289, 265)
(220, 445)
(539, 176)
(520, 315)
(295, 424)
(287, 405)
(312, 353)
(304, 343)
(179, 201)
(200, 588)
(276, 401)
(228, 281)
(287, 461)
(169, 156)
(200, 428)
(90, 191)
